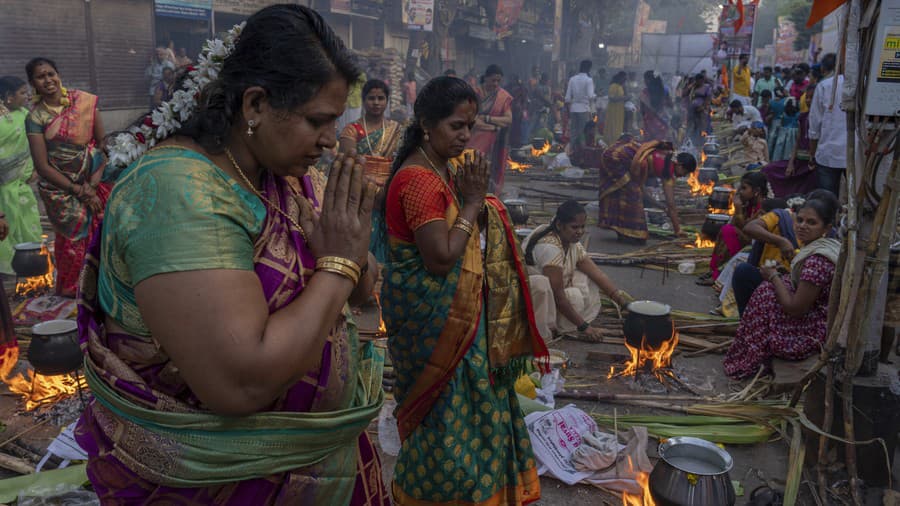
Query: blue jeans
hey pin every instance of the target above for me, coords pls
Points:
(744, 282)
(830, 178)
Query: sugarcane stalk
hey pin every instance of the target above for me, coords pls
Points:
(822, 463)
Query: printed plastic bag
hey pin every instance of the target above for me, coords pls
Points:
(388, 435)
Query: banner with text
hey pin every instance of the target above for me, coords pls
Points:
(418, 14)
(737, 42)
(185, 9)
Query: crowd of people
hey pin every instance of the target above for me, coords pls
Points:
(216, 269)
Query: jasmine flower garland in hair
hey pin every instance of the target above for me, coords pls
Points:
(170, 115)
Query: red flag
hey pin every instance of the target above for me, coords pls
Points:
(740, 20)
(822, 8)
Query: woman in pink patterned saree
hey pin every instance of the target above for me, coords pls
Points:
(63, 129)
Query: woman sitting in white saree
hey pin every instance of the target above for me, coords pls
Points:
(565, 283)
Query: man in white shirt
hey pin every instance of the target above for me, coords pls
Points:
(828, 128)
(580, 98)
(742, 116)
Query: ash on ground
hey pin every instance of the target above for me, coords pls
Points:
(62, 412)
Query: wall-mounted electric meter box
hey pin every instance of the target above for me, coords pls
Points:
(883, 93)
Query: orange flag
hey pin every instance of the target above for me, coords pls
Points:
(740, 20)
(822, 8)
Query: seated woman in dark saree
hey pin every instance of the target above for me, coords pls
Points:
(213, 313)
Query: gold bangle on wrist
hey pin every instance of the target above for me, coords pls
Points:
(339, 269)
(346, 262)
(464, 225)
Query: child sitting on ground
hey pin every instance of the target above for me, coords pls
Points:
(756, 150)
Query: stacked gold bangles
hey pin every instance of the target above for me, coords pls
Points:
(339, 265)
(464, 225)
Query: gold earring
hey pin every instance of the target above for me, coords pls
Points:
(250, 124)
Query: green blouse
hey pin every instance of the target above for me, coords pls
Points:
(172, 210)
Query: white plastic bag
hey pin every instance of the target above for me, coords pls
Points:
(560, 161)
(388, 434)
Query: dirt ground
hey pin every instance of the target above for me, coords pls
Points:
(754, 464)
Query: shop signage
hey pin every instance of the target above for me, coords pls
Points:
(418, 14)
(246, 7)
(185, 9)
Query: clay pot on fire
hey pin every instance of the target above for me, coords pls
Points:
(713, 224)
(29, 261)
(54, 347)
(720, 198)
(648, 321)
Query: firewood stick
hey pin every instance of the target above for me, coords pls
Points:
(23, 432)
(15, 464)
(711, 348)
(587, 395)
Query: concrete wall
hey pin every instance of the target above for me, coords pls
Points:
(118, 119)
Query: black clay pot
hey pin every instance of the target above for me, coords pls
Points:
(715, 161)
(538, 142)
(713, 224)
(518, 211)
(28, 261)
(54, 347)
(707, 175)
(711, 149)
(648, 321)
(720, 198)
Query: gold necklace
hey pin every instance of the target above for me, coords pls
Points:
(260, 195)
(436, 171)
(366, 131)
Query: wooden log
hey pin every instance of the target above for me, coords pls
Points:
(15, 464)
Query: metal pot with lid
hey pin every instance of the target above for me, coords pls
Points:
(692, 472)
(54, 347)
(29, 260)
(649, 321)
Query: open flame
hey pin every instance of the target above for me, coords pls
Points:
(36, 389)
(538, 152)
(37, 285)
(658, 361)
(520, 167)
(698, 188)
(643, 480)
(700, 242)
(382, 328)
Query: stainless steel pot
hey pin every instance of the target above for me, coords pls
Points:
(54, 347)
(655, 216)
(28, 260)
(518, 211)
(692, 472)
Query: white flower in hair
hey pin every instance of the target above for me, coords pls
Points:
(163, 121)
